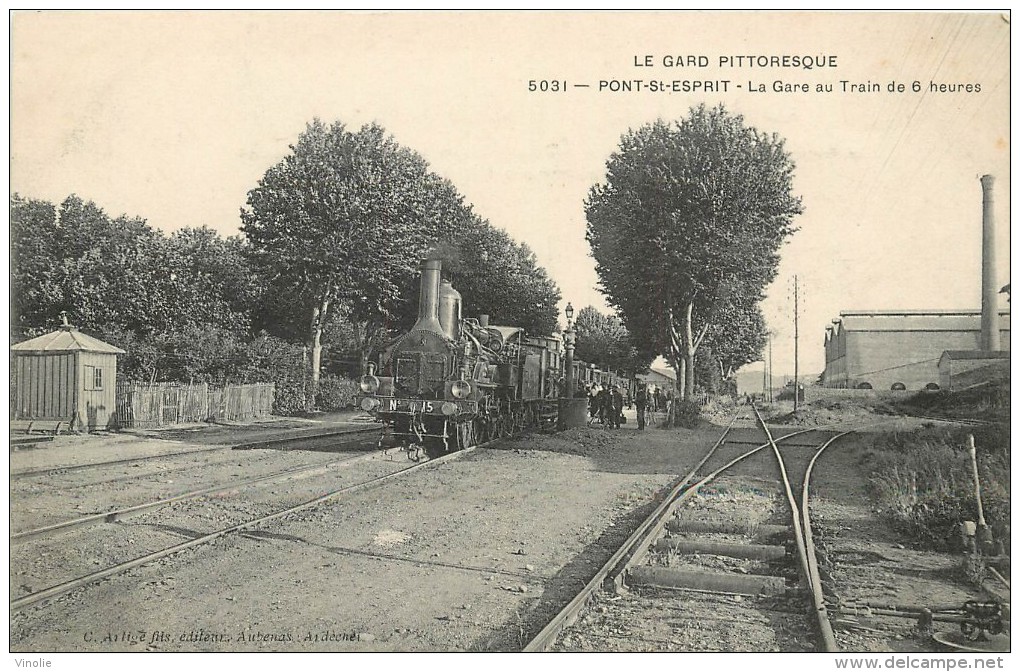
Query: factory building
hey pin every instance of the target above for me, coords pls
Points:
(900, 349)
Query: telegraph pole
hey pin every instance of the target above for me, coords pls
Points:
(796, 379)
(770, 367)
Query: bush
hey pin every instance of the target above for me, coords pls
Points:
(686, 413)
(718, 405)
(289, 398)
(987, 402)
(923, 481)
(336, 393)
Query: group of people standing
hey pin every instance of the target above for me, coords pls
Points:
(650, 401)
(606, 405)
(606, 402)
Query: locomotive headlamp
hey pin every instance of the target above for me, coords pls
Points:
(449, 408)
(369, 404)
(461, 389)
(369, 384)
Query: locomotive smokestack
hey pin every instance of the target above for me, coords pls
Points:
(989, 293)
(428, 299)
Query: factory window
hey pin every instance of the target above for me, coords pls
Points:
(898, 386)
(864, 386)
(931, 387)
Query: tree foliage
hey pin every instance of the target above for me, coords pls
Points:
(333, 238)
(501, 278)
(686, 231)
(738, 334)
(173, 303)
(119, 274)
(602, 340)
(343, 221)
(37, 287)
(340, 226)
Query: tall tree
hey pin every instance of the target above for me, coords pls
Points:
(345, 219)
(692, 214)
(37, 292)
(602, 340)
(737, 336)
(76, 258)
(210, 283)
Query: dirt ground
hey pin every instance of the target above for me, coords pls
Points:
(867, 561)
(476, 554)
(864, 560)
(472, 555)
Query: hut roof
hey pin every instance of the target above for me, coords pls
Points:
(65, 339)
(974, 354)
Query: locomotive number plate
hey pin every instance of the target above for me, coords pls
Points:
(435, 406)
(412, 405)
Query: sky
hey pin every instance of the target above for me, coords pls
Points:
(174, 116)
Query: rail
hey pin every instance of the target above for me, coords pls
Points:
(614, 571)
(127, 512)
(817, 596)
(803, 538)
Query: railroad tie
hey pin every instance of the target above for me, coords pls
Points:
(728, 549)
(745, 528)
(669, 577)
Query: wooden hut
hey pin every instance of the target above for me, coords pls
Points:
(64, 380)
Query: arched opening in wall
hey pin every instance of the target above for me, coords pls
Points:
(864, 386)
(898, 387)
(932, 387)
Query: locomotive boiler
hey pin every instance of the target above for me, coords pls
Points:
(451, 382)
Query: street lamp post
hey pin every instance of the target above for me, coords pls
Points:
(568, 360)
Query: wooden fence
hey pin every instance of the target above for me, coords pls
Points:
(145, 405)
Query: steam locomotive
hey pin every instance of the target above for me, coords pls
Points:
(453, 382)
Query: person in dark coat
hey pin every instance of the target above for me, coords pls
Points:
(641, 400)
(615, 407)
(593, 403)
(602, 405)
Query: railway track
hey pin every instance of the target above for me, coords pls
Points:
(138, 509)
(196, 538)
(277, 444)
(759, 570)
(967, 422)
(41, 505)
